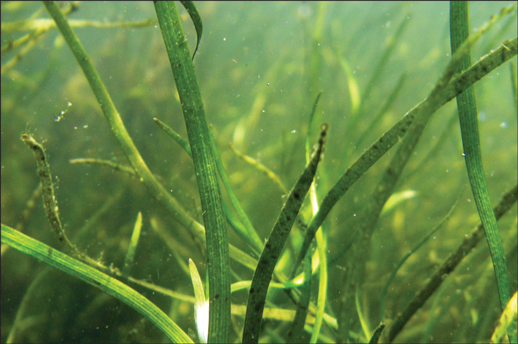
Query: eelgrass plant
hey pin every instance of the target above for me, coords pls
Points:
(265, 248)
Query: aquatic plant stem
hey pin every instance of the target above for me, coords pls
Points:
(205, 167)
(467, 108)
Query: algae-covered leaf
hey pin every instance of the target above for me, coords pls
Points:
(275, 244)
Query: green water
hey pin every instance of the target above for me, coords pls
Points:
(260, 67)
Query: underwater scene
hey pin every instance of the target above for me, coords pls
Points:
(266, 172)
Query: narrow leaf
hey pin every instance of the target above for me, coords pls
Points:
(274, 245)
(196, 20)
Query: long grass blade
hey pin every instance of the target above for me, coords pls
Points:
(204, 164)
(467, 108)
(274, 245)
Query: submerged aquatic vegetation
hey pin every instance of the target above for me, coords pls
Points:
(262, 94)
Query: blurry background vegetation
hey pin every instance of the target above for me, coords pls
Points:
(260, 66)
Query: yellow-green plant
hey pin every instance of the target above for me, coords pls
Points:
(266, 279)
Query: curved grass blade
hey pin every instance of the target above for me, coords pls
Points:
(47, 188)
(251, 236)
(467, 108)
(205, 167)
(377, 333)
(274, 245)
(364, 321)
(97, 279)
(196, 20)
